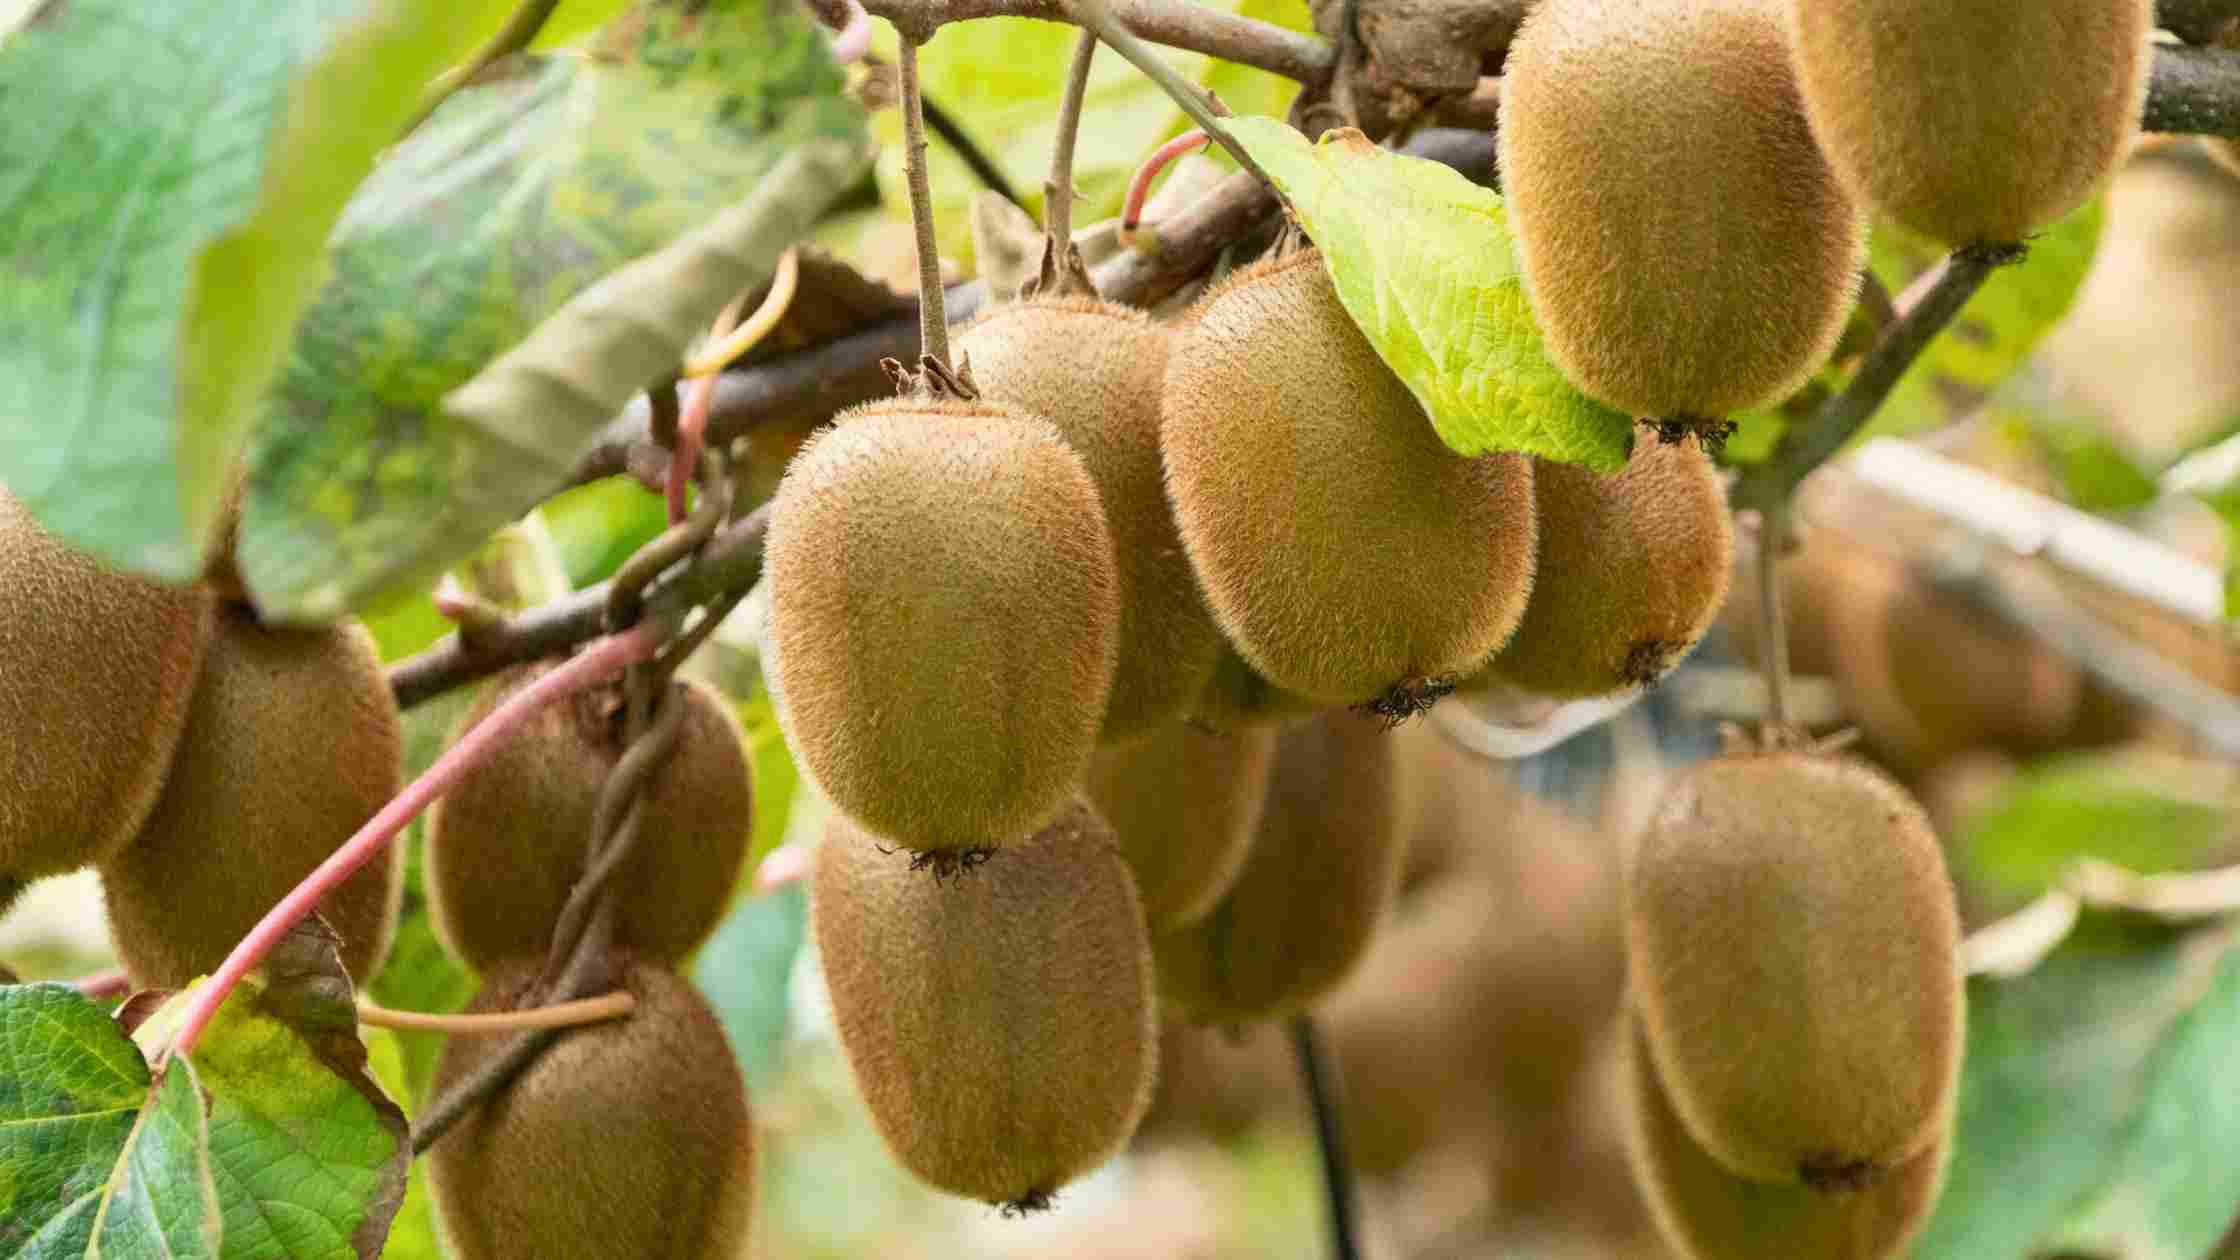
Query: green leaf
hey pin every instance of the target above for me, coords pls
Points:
(372, 466)
(1422, 260)
(97, 1157)
(2051, 1084)
(168, 176)
(309, 1155)
(2175, 1187)
(2145, 810)
(1997, 330)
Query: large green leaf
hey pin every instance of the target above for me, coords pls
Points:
(372, 466)
(97, 1157)
(168, 176)
(1422, 260)
(2175, 1186)
(2057, 1069)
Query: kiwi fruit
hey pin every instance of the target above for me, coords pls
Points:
(1793, 944)
(1662, 303)
(944, 617)
(1346, 552)
(1632, 570)
(1093, 370)
(1314, 889)
(1708, 1213)
(1972, 124)
(1185, 803)
(98, 669)
(291, 743)
(1971, 681)
(626, 1138)
(506, 844)
(1001, 1025)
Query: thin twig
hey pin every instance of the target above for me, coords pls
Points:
(1097, 16)
(933, 325)
(1773, 632)
(1139, 188)
(621, 796)
(960, 141)
(1319, 1073)
(1062, 272)
(465, 1023)
(1927, 307)
(518, 33)
(1183, 24)
(596, 662)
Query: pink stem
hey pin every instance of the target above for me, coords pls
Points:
(854, 39)
(1139, 191)
(692, 428)
(103, 984)
(599, 659)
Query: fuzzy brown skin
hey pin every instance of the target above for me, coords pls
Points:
(626, 1138)
(96, 668)
(292, 742)
(1314, 890)
(1001, 1025)
(1632, 570)
(1185, 803)
(1686, 249)
(1707, 1213)
(1235, 698)
(944, 620)
(1971, 681)
(1793, 945)
(1093, 370)
(1343, 548)
(1973, 122)
(506, 845)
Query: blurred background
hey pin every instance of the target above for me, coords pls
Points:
(1475, 1040)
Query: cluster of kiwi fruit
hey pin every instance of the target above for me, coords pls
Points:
(527, 1173)
(203, 760)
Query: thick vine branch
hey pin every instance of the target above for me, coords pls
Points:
(2194, 91)
(1199, 28)
(1925, 310)
(731, 561)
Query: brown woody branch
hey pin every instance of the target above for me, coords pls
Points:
(1180, 24)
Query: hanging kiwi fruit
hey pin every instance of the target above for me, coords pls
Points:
(1973, 124)
(1347, 554)
(1708, 1213)
(1793, 944)
(1314, 889)
(1001, 1026)
(1687, 250)
(1185, 803)
(506, 844)
(944, 620)
(96, 670)
(1632, 570)
(291, 743)
(1092, 369)
(625, 1138)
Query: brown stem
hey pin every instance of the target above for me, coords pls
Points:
(2194, 90)
(933, 324)
(1062, 270)
(1097, 15)
(1927, 307)
(1199, 28)
(1773, 633)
